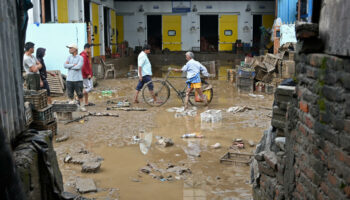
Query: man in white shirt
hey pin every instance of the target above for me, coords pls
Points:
(193, 69)
(31, 66)
(74, 79)
(144, 72)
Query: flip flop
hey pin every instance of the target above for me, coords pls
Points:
(90, 104)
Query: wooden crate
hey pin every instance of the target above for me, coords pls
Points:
(270, 62)
(38, 99)
(236, 158)
(43, 116)
(55, 83)
(50, 126)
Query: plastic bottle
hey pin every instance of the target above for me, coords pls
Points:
(192, 135)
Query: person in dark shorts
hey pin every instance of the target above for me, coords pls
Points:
(144, 72)
(74, 79)
(40, 53)
(31, 67)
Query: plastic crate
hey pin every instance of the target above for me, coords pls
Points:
(243, 81)
(43, 116)
(38, 99)
(247, 73)
(50, 126)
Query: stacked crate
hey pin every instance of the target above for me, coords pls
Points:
(43, 118)
(245, 80)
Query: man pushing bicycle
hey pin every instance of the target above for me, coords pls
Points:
(193, 69)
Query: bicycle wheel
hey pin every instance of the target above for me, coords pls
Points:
(161, 91)
(209, 93)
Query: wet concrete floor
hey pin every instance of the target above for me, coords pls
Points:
(112, 139)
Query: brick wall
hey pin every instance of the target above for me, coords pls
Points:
(322, 129)
(314, 161)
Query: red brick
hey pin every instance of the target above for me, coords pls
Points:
(309, 173)
(347, 191)
(341, 156)
(309, 121)
(324, 187)
(347, 125)
(332, 179)
(300, 188)
(303, 106)
(302, 129)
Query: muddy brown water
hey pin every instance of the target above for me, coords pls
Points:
(111, 138)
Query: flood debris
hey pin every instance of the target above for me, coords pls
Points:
(169, 173)
(256, 95)
(193, 149)
(181, 112)
(126, 109)
(236, 109)
(237, 143)
(236, 158)
(211, 116)
(67, 158)
(62, 138)
(92, 114)
(189, 112)
(164, 141)
(216, 146)
(192, 135)
(251, 143)
(82, 158)
(90, 167)
(145, 141)
(85, 185)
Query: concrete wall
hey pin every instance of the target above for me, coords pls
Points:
(133, 18)
(56, 50)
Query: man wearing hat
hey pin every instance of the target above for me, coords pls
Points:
(31, 67)
(144, 72)
(74, 79)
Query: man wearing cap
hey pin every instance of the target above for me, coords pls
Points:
(74, 79)
(31, 67)
(87, 73)
(193, 69)
(144, 72)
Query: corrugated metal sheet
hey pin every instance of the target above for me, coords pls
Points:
(287, 10)
(12, 115)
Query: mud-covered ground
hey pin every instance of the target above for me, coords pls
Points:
(175, 172)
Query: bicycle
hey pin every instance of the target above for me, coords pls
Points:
(161, 89)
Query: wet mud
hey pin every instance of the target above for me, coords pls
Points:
(113, 139)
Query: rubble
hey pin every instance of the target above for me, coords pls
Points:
(237, 109)
(165, 142)
(85, 185)
(90, 167)
(62, 138)
(216, 146)
(211, 116)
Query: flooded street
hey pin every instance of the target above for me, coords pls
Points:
(112, 138)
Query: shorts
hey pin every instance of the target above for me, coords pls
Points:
(33, 81)
(145, 79)
(46, 87)
(195, 85)
(88, 85)
(76, 86)
(194, 82)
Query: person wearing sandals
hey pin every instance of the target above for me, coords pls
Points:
(144, 72)
(86, 71)
(193, 69)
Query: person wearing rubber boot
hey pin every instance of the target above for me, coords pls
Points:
(193, 69)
